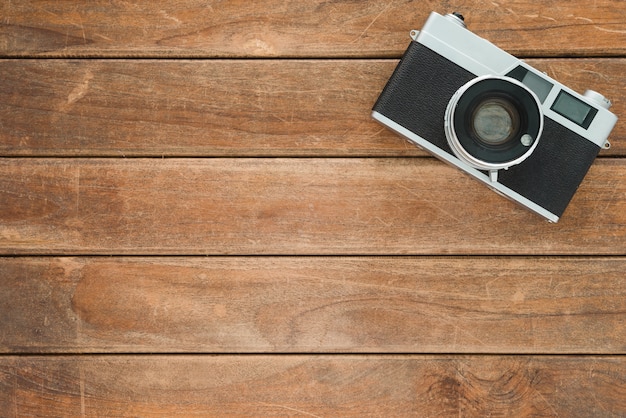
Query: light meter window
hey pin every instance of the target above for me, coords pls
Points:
(574, 109)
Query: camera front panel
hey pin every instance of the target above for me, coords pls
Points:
(418, 93)
(554, 171)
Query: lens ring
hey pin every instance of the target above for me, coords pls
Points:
(521, 106)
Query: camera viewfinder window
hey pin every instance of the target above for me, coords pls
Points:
(537, 84)
(574, 109)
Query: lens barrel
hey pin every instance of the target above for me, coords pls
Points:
(493, 122)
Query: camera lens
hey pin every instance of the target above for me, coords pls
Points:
(493, 122)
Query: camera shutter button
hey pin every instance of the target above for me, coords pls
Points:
(598, 98)
(457, 18)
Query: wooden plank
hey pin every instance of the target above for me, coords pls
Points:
(225, 108)
(319, 304)
(297, 28)
(313, 386)
(290, 206)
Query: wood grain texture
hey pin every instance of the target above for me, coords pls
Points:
(343, 28)
(291, 206)
(319, 304)
(313, 386)
(226, 107)
(108, 306)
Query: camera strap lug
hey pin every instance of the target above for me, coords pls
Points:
(414, 34)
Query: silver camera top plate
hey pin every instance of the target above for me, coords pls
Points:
(444, 35)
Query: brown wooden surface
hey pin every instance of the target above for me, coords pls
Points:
(225, 107)
(314, 304)
(278, 28)
(305, 386)
(380, 283)
(291, 206)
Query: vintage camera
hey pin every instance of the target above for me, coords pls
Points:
(480, 109)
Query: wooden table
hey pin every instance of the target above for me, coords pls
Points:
(197, 216)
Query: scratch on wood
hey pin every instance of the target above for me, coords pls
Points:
(106, 38)
(15, 388)
(584, 18)
(609, 30)
(556, 414)
(488, 286)
(372, 22)
(79, 91)
(82, 29)
(431, 204)
(597, 74)
(386, 224)
(169, 17)
(8, 19)
(378, 132)
(81, 372)
(77, 191)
